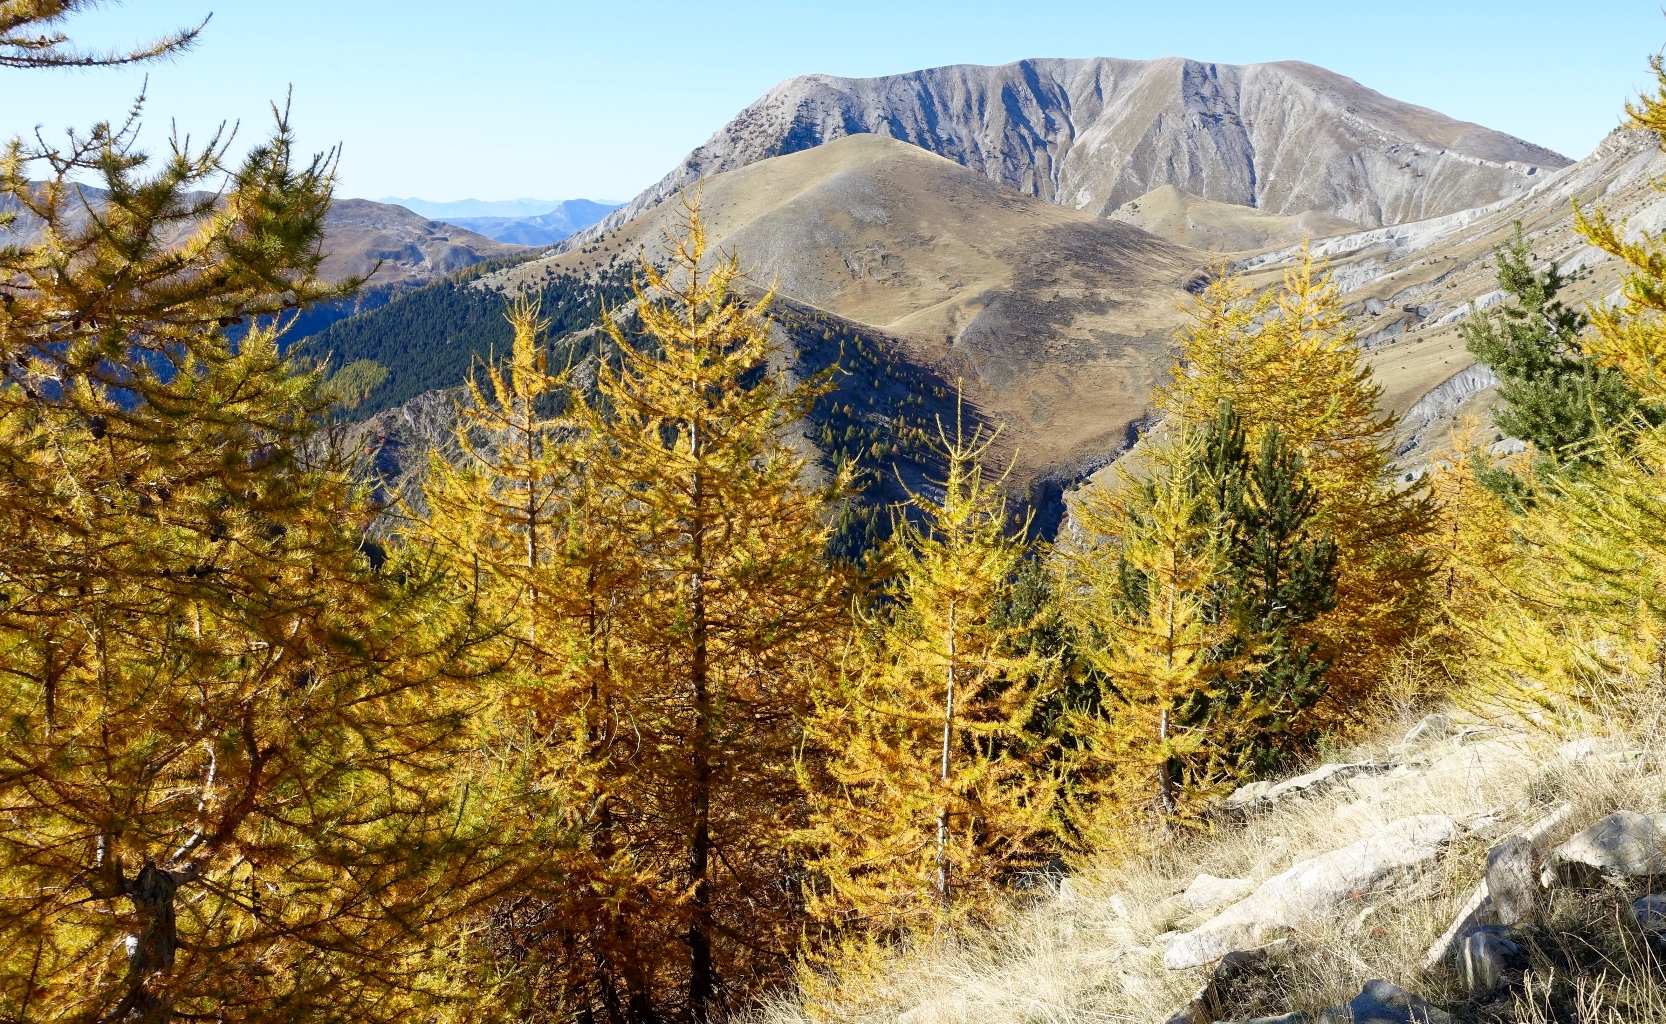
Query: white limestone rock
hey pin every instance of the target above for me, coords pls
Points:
(1317, 890)
(1624, 844)
(1207, 893)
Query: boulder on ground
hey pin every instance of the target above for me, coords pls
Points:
(1650, 912)
(1479, 908)
(1382, 1003)
(1487, 954)
(1624, 844)
(1317, 890)
(1378, 1003)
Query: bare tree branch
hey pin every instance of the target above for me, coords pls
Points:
(31, 37)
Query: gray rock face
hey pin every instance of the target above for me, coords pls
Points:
(1625, 843)
(1316, 890)
(1382, 1003)
(1093, 134)
(1511, 882)
(1487, 954)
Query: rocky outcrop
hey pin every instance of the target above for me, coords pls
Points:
(1208, 894)
(1317, 890)
(1093, 134)
(1623, 845)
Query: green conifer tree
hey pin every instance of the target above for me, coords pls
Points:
(1281, 578)
(1189, 593)
(1556, 396)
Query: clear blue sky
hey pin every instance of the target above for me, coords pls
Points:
(497, 99)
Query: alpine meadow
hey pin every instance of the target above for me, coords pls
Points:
(1075, 541)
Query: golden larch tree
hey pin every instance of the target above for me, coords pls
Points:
(927, 794)
(730, 617)
(1285, 359)
(238, 771)
(1143, 584)
(526, 531)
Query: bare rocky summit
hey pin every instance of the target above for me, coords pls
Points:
(1093, 134)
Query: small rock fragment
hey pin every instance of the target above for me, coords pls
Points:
(1624, 844)
(1208, 893)
(1511, 883)
(1487, 954)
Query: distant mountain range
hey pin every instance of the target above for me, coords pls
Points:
(515, 221)
(475, 207)
(1030, 232)
(548, 229)
(1093, 134)
(410, 249)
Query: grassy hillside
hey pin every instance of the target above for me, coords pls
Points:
(1056, 321)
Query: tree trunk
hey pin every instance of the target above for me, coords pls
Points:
(702, 977)
(943, 776)
(1165, 782)
(152, 948)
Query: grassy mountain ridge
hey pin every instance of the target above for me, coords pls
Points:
(1054, 320)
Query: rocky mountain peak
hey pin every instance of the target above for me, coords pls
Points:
(1093, 134)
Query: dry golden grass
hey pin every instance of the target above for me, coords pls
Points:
(1089, 949)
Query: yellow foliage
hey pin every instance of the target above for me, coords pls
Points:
(1579, 624)
(1143, 587)
(1285, 359)
(930, 796)
(655, 566)
(1632, 335)
(1474, 545)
